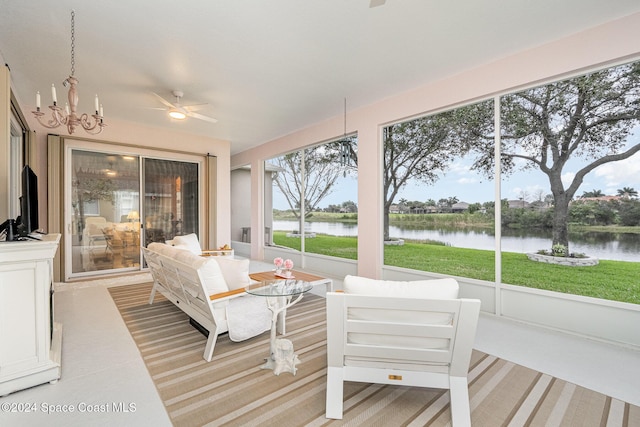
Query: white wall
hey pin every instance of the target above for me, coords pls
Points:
(240, 202)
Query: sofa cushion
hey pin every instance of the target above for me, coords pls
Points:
(247, 317)
(235, 271)
(426, 289)
(189, 242)
(160, 248)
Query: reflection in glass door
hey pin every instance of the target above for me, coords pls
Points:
(170, 199)
(108, 218)
(105, 211)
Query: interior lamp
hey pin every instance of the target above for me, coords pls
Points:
(133, 216)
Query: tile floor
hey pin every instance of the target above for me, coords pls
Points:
(102, 369)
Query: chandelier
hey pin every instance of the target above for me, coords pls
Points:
(68, 116)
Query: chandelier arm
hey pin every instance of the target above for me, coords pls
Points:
(93, 127)
(58, 118)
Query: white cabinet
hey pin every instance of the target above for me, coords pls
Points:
(30, 343)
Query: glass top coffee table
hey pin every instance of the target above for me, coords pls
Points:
(280, 296)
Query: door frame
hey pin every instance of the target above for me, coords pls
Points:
(61, 178)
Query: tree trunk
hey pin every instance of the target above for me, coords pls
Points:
(386, 222)
(561, 220)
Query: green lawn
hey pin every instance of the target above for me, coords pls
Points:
(612, 280)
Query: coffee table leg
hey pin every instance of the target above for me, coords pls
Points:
(281, 357)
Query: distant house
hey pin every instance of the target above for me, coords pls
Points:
(424, 210)
(460, 207)
(518, 204)
(599, 199)
(540, 205)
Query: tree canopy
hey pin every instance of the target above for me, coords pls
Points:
(628, 192)
(313, 172)
(423, 148)
(588, 118)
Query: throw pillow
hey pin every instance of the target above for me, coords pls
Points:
(188, 241)
(160, 248)
(212, 279)
(235, 271)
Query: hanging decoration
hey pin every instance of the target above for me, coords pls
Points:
(345, 145)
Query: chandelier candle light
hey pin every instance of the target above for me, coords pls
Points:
(68, 116)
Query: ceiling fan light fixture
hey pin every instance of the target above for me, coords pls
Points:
(176, 114)
(180, 112)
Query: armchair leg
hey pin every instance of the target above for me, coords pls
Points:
(335, 393)
(460, 410)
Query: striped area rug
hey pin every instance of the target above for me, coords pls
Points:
(232, 390)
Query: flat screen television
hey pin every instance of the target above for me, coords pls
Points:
(27, 222)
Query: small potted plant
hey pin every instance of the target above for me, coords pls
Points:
(288, 266)
(278, 262)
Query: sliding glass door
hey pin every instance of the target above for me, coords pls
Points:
(105, 211)
(109, 220)
(170, 199)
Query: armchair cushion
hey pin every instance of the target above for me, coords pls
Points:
(434, 288)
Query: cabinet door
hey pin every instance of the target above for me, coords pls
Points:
(24, 316)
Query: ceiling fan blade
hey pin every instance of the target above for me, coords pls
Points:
(201, 117)
(164, 101)
(376, 3)
(194, 107)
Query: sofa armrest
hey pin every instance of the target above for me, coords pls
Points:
(218, 252)
(227, 295)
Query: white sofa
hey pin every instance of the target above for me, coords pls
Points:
(210, 290)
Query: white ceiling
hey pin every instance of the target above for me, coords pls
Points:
(268, 68)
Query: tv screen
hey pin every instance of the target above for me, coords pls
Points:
(28, 221)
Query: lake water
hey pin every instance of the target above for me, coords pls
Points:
(613, 246)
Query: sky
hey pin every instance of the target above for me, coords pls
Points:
(468, 186)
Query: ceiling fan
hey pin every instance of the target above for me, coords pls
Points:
(376, 3)
(178, 111)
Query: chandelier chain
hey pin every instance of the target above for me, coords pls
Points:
(73, 43)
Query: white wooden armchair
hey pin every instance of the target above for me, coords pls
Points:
(398, 335)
